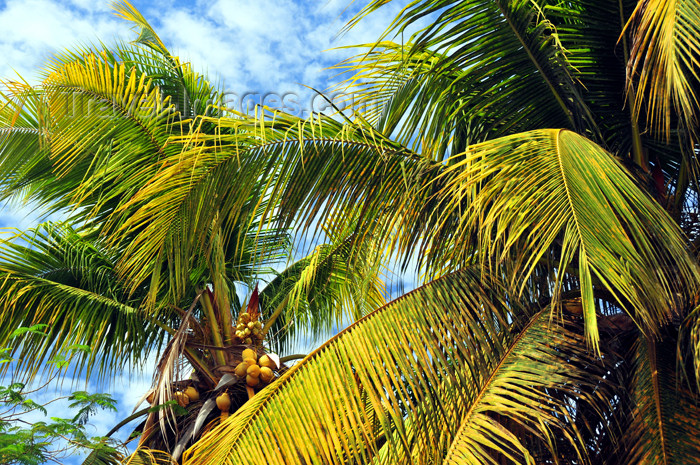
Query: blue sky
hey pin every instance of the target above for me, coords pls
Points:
(251, 47)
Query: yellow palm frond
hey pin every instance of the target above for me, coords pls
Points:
(663, 70)
(521, 195)
(446, 358)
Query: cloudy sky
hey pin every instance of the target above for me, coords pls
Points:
(251, 47)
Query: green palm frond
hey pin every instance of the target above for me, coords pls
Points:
(100, 128)
(591, 31)
(326, 168)
(26, 167)
(56, 276)
(111, 121)
(191, 92)
(395, 86)
(257, 252)
(336, 283)
(104, 456)
(213, 184)
(441, 361)
(480, 67)
(667, 418)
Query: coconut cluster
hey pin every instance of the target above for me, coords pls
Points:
(183, 398)
(255, 371)
(248, 329)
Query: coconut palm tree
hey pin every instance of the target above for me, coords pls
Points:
(538, 160)
(96, 143)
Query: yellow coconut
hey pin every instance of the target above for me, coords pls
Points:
(249, 361)
(266, 374)
(249, 353)
(241, 369)
(266, 361)
(192, 393)
(223, 401)
(182, 399)
(252, 381)
(253, 370)
(244, 317)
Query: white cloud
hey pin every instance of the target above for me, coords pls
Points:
(33, 30)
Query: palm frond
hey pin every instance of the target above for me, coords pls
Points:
(191, 92)
(336, 284)
(214, 184)
(480, 67)
(23, 142)
(401, 90)
(112, 122)
(590, 32)
(516, 199)
(99, 129)
(55, 276)
(666, 419)
(664, 61)
(146, 456)
(520, 196)
(467, 359)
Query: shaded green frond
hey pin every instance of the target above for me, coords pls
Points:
(24, 146)
(667, 418)
(590, 32)
(55, 276)
(257, 253)
(448, 354)
(104, 456)
(481, 67)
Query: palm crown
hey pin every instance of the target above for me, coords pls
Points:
(536, 158)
